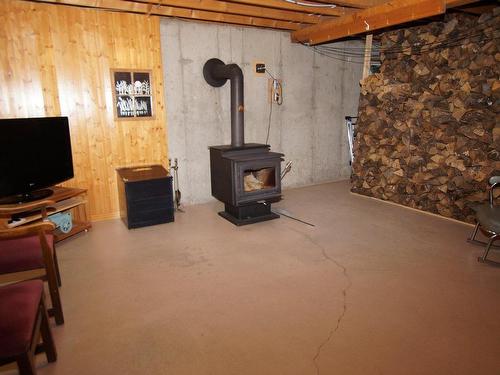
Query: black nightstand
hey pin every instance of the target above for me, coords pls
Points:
(145, 195)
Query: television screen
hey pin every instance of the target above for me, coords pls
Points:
(35, 153)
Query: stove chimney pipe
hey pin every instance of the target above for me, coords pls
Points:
(216, 74)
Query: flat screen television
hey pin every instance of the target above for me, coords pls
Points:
(35, 153)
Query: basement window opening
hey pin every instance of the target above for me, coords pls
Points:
(259, 179)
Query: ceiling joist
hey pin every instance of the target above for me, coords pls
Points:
(375, 18)
(369, 19)
(238, 9)
(152, 8)
(281, 4)
(353, 3)
(310, 22)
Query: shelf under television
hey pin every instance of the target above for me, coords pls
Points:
(66, 199)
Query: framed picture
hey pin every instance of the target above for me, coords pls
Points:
(132, 94)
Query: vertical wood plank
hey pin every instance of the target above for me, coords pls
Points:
(57, 61)
(20, 92)
(46, 63)
(368, 56)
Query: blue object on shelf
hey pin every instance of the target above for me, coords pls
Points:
(63, 221)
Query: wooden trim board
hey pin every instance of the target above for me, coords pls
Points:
(413, 209)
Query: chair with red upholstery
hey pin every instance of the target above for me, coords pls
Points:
(31, 248)
(23, 318)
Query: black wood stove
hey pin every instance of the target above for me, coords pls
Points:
(246, 177)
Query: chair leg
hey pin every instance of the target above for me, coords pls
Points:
(473, 237)
(487, 250)
(55, 297)
(56, 266)
(26, 364)
(48, 340)
(50, 268)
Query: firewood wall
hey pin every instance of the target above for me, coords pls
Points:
(428, 133)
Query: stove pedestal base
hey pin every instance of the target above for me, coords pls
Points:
(248, 214)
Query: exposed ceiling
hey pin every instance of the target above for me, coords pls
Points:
(311, 22)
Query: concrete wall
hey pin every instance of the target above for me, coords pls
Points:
(308, 127)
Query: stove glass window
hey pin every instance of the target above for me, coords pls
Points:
(259, 179)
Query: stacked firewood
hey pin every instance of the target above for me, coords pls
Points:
(428, 132)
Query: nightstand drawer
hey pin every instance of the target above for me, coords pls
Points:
(142, 218)
(139, 190)
(148, 204)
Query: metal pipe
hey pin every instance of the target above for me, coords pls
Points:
(216, 74)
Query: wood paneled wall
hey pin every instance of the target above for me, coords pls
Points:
(56, 60)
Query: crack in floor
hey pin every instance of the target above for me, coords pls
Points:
(344, 296)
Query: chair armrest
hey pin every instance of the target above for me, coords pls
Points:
(12, 209)
(27, 230)
(493, 183)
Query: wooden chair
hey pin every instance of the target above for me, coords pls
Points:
(7, 211)
(23, 318)
(29, 248)
(488, 221)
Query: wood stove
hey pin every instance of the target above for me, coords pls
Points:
(246, 177)
(247, 180)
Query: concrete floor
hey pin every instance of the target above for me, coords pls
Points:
(373, 288)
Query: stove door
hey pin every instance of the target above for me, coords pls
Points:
(257, 180)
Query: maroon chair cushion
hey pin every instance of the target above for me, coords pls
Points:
(22, 254)
(18, 311)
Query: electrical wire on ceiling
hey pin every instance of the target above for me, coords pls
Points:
(358, 58)
(308, 4)
(401, 49)
(356, 55)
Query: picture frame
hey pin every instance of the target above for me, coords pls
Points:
(132, 94)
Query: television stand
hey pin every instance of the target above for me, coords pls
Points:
(27, 197)
(66, 200)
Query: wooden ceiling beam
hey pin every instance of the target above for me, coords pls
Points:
(239, 9)
(280, 4)
(168, 11)
(367, 20)
(312, 25)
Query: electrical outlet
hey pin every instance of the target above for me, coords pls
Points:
(259, 68)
